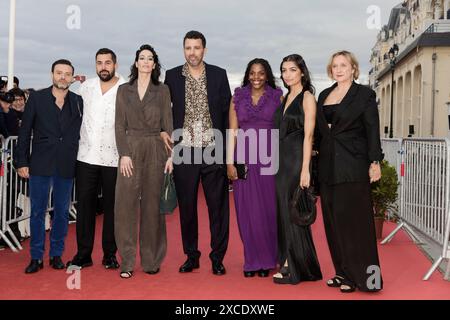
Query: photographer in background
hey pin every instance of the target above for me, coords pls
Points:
(14, 116)
(6, 99)
(4, 83)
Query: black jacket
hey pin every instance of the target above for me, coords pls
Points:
(3, 125)
(353, 141)
(55, 144)
(219, 96)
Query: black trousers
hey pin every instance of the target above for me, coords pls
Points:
(215, 186)
(349, 226)
(87, 180)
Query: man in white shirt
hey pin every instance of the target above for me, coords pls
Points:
(97, 161)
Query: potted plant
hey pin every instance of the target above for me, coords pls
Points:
(384, 195)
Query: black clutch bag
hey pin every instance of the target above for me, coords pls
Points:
(242, 170)
(302, 207)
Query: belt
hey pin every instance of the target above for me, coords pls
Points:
(143, 133)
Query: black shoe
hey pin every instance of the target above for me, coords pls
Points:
(263, 273)
(283, 280)
(34, 266)
(189, 265)
(80, 262)
(153, 271)
(57, 263)
(249, 274)
(110, 262)
(218, 268)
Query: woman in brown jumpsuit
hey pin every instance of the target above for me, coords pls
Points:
(143, 114)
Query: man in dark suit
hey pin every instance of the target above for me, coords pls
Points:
(53, 116)
(200, 102)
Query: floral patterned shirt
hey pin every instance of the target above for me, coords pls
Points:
(197, 128)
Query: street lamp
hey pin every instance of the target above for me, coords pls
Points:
(393, 52)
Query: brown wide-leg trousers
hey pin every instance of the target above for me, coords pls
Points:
(137, 207)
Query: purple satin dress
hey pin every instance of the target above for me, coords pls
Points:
(255, 197)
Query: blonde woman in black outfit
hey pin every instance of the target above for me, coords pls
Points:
(349, 155)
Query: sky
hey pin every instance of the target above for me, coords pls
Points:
(236, 31)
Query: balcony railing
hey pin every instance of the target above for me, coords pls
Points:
(438, 27)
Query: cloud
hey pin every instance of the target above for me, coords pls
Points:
(236, 32)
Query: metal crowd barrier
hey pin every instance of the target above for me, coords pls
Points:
(4, 223)
(392, 149)
(15, 203)
(425, 193)
(14, 191)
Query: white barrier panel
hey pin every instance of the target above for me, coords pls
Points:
(392, 149)
(425, 191)
(4, 226)
(15, 204)
(426, 187)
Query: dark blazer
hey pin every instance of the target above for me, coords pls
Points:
(55, 145)
(353, 141)
(219, 96)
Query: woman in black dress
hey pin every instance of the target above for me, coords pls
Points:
(349, 155)
(295, 120)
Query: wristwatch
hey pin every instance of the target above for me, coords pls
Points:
(376, 162)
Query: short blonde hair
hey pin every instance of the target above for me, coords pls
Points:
(350, 57)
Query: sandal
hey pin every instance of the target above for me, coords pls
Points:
(284, 271)
(126, 274)
(283, 280)
(347, 287)
(335, 282)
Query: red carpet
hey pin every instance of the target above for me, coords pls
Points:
(403, 266)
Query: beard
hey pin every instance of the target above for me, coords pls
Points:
(194, 61)
(105, 75)
(60, 85)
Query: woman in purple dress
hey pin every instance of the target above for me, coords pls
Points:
(251, 124)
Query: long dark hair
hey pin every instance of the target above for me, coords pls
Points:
(267, 69)
(155, 72)
(306, 76)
